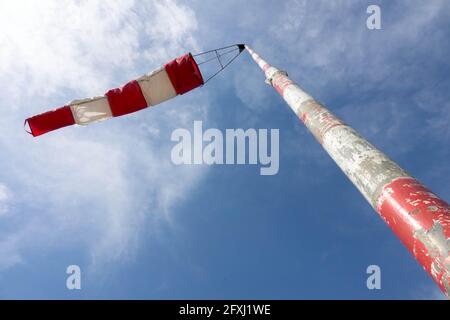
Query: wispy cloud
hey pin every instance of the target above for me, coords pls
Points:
(4, 197)
(172, 28)
(94, 188)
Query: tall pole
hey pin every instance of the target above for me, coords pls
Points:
(416, 215)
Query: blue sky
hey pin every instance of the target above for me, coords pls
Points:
(107, 197)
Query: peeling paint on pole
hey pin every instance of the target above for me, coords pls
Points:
(417, 216)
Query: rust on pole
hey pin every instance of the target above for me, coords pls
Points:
(416, 215)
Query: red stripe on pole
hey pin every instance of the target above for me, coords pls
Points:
(51, 120)
(126, 100)
(422, 221)
(184, 73)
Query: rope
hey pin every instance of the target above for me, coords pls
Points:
(25, 127)
(214, 58)
(235, 46)
(205, 52)
(218, 58)
(215, 74)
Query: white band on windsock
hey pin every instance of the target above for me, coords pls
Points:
(156, 87)
(90, 110)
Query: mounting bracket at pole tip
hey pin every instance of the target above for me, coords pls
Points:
(241, 47)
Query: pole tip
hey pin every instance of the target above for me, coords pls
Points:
(241, 47)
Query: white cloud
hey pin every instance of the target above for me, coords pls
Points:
(171, 28)
(4, 197)
(54, 45)
(96, 187)
(82, 46)
(248, 88)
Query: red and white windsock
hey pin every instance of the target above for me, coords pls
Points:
(417, 216)
(174, 78)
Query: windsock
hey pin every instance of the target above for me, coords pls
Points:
(176, 77)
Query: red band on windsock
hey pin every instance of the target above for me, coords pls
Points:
(184, 73)
(127, 99)
(51, 120)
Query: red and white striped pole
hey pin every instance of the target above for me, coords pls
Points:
(417, 216)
